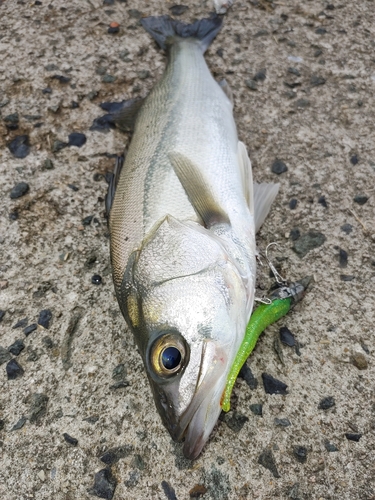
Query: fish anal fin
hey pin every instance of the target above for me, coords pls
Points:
(246, 174)
(198, 190)
(264, 195)
(224, 85)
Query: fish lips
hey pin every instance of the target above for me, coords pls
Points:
(196, 422)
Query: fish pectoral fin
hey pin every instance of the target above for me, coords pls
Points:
(198, 190)
(113, 183)
(264, 195)
(246, 174)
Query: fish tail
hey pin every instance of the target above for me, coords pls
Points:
(166, 30)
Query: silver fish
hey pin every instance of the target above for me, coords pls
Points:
(182, 228)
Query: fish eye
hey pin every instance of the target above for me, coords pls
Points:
(168, 355)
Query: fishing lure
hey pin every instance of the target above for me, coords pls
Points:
(280, 302)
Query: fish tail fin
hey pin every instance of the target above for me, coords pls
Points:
(165, 30)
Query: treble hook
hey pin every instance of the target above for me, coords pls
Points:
(279, 279)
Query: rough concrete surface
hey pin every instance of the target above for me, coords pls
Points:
(303, 79)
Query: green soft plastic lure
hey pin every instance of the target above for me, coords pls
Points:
(282, 299)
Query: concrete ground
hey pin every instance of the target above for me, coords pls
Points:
(303, 79)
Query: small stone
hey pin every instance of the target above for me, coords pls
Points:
(330, 447)
(14, 215)
(346, 277)
(45, 317)
(4, 284)
(121, 384)
(135, 13)
(279, 167)
(286, 336)
(273, 386)
(294, 234)
(19, 146)
(257, 409)
(91, 420)
(260, 76)
(307, 242)
(17, 426)
(251, 84)
(320, 31)
(12, 118)
(51, 67)
(316, 80)
(48, 342)
(236, 421)
(77, 139)
(262, 32)
(326, 403)
(300, 452)
(108, 2)
(143, 74)
(247, 375)
(14, 370)
(119, 372)
(42, 476)
(61, 78)
(38, 407)
(4, 355)
(114, 27)
(282, 422)
(21, 323)
(30, 328)
(361, 199)
(58, 145)
(354, 160)
(318, 52)
(2, 424)
(47, 90)
(359, 361)
(353, 437)
(294, 71)
(69, 439)
(113, 455)
(293, 203)
(48, 164)
(19, 190)
(17, 347)
(343, 258)
(74, 105)
(138, 462)
(178, 10)
(322, 201)
(96, 279)
(2, 314)
(73, 187)
(197, 491)
(302, 103)
(168, 490)
(104, 485)
(109, 79)
(267, 460)
(87, 220)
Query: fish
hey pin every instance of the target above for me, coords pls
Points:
(183, 214)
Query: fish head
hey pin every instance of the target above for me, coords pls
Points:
(191, 319)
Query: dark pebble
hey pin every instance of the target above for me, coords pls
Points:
(14, 370)
(90, 261)
(77, 139)
(17, 347)
(121, 384)
(168, 490)
(262, 32)
(294, 234)
(38, 407)
(318, 52)
(178, 10)
(21, 323)
(236, 421)
(326, 403)
(302, 103)
(2, 424)
(360, 199)
(133, 480)
(48, 342)
(279, 167)
(359, 361)
(19, 190)
(346, 228)
(119, 372)
(347, 277)
(260, 76)
(294, 71)
(353, 437)
(4, 355)
(286, 336)
(108, 2)
(273, 386)
(69, 439)
(282, 422)
(267, 460)
(330, 447)
(138, 462)
(143, 74)
(14, 215)
(292, 85)
(58, 145)
(113, 455)
(354, 160)
(307, 242)
(18, 425)
(19, 146)
(45, 317)
(197, 491)
(2, 314)
(316, 80)
(322, 201)
(113, 29)
(74, 105)
(320, 31)
(73, 187)
(13, 118)
(257, 409)
(135, 13)
(30, 329)
(91, 420)
(300, 452)
(343, 258)
(220, 52)
(293, 203)
(251, 84)
(96, 279)
(247, 375)
(47, 90)
(104, 485)
(87, 220)
(61, 78)
(109, 78)
(48, 164)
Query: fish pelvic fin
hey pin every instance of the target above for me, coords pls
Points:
(264, 196)
(166, 30)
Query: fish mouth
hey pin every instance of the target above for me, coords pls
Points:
(200, 417)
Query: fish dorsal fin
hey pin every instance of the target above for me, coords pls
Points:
(246, 174)
(264, 195)
(198, 190)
